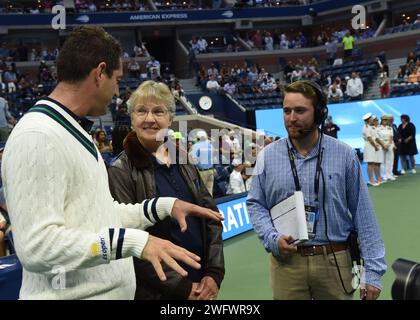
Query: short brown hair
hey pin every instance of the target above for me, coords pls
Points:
(305, 89)
(84, 50)
(405, 117)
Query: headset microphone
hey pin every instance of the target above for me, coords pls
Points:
(302, 131)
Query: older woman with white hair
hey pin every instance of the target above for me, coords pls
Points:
(146, 168)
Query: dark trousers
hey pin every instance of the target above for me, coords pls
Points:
(356, 98)
(396, 157)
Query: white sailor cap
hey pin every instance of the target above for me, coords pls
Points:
(367, 116)
(236, 162)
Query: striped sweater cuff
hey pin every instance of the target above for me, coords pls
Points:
(157, 209)
(133, 243)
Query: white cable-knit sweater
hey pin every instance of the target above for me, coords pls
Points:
(73, 240)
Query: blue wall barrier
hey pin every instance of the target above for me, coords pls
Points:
(175, 16)
(236, 215)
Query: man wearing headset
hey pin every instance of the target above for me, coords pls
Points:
(328, 173)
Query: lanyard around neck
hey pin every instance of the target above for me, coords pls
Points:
(317, 172)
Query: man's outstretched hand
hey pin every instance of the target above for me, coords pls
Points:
(181, 209)
(158, 250)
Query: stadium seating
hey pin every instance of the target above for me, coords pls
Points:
(367, 70)
(253, 101)
(400, 87)
(401, 28)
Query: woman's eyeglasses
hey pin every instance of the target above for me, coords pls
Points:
(156, 113)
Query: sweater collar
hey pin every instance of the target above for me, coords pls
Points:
(84, 122)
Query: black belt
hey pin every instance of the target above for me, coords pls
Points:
(317, 250)
(205, 169)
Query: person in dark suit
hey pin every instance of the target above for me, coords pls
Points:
(330, 128)
(407, 132)
(396, 138)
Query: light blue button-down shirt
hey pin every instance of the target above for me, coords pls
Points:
(202, 153)
(4, 113)
(347, 202)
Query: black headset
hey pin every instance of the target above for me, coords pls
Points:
(321, 110)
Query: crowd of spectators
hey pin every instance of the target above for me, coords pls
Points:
(20, 89)
(351, 89)
(188, 4)
(233, 79)
(302, 71)
(24, 52)
(272, 3)
(231, 158)
(280, 39)
(410, 71)
(211, 44)
(254, 79)
(350, 85)
(407, 24)
(80, 6)
(337, 90)
(45, 6)
(17, 52)
(270, 40)
(407, 80)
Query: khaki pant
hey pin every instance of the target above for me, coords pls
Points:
(4, 134)
(310, 277)
(208, 179)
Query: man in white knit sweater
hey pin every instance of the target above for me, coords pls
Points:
(73, 240)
